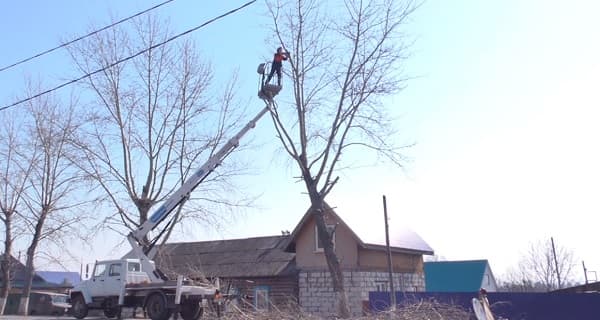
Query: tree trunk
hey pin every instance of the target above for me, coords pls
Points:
(5, 264)
(29, 273)
(333, 264)
(29, 269)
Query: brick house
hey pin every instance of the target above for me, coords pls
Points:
(291, 267)
(363, 261)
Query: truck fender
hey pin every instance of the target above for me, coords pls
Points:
(87, 297)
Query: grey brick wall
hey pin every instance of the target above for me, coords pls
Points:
(316, 294)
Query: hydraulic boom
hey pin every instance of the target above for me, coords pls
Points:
(144, 251)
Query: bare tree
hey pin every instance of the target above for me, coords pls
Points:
(345, 57)
(435, 258)
(51, 190)
(13, 176)
(151, 122)
(536, 270)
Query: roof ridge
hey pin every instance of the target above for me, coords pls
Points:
(226, 240)
(451, 261)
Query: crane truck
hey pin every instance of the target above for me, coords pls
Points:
(138, 283)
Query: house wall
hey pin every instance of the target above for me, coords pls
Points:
(364, 270)
(283, 291)
(489, 282)
(346, 246)
(316, 295)
(401, 262)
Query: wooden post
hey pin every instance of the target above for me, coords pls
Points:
(389, 260)
(555, 262)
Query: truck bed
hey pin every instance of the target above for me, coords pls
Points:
(186, 287)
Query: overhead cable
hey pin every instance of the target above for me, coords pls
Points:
(83, 37)
(125, 59)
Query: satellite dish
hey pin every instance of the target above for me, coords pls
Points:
(478, 309)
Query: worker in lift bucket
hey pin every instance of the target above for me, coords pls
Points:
(278, 58)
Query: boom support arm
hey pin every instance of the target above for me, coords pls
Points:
(136, 238)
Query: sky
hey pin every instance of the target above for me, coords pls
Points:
(502, 108)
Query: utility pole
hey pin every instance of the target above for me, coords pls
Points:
(584, 271)
(389, 253)
(555, 262)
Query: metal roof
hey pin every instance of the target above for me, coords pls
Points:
(454, 276)
(60, 277)
(251, 257)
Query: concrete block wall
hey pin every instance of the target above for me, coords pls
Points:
(316, 293)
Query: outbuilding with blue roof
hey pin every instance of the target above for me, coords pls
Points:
(459, 276)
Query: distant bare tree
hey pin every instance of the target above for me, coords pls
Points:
(14, 173)
(536, 270)
(435, 258)
(153, 121)
(345, 57)
(514, 282)
(51, 190)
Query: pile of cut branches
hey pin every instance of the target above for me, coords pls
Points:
(423, 310)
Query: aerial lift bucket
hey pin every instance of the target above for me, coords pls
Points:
(267, 91)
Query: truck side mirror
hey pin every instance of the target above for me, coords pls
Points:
(87, 270)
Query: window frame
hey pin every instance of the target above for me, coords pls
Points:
(97, 267)
(329, 227)
(131, 266)
(111, 269)
(266, 292)
(382, 285)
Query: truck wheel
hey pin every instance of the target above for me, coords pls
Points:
(78, 307)
(191, 310)
(111, 310)
(156, 307)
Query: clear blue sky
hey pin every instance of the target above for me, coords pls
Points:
(503, 110)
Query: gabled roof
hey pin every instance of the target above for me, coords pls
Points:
(18, 276)
(251, 257)
(402, 239)
(60, 277)
(454, 276)
(17, 268)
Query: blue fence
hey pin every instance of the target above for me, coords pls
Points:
(514, 306)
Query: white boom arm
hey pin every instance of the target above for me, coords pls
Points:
(136, 238)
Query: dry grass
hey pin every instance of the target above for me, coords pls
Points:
(424, 310)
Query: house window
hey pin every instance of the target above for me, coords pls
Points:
(261, 298)
(318, 243)
(381, 286)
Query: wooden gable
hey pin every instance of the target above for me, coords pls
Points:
(351, 250)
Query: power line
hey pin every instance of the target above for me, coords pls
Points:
(83, 37)
(127, 58)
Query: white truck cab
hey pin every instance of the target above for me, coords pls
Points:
(109, 277)
(123, 283)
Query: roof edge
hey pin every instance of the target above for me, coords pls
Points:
(306, 217)
(397, 249)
